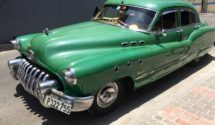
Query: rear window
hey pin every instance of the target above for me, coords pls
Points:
(188, 17)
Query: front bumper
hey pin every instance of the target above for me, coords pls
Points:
(39, 83)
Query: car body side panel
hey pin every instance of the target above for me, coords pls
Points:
(166, 58)
(178, 53)
(141, 73)
(127, 60)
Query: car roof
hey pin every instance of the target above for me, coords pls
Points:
(153, 4)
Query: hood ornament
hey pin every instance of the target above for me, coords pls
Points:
(46, 31)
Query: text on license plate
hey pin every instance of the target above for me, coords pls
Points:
(58, 104)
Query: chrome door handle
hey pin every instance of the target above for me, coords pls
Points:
(179, 31)
(197, 26)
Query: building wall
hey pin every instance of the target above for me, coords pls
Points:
(211, 6)
(197, 4)
(19, 17)
(204, 5)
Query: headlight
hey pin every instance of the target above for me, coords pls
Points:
(70, 76)
(16, 44)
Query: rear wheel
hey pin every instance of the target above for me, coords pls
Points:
(107, 98)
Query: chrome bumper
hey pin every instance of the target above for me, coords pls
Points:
(39, 83)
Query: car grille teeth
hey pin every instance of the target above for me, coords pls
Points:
(30, 77)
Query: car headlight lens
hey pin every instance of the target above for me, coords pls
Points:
(16, 44)
(70, 76)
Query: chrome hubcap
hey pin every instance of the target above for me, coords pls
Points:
(107, 95)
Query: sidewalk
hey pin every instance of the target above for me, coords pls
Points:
(197, 107)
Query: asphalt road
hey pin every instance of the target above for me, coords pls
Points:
(19, 108)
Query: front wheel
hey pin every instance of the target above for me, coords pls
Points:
(107, 98)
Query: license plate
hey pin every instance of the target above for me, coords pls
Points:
(58, 104)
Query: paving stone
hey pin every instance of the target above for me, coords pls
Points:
(198, 122)
(157, 117)
(153, 122)
(169, 116)
(167, 122)
(192, 115)
(211, 112)
(198, 108)
(207, 116)
(182, 122)
(189, 109)
(207, 121)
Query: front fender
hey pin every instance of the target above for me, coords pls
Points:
(95, 71)
(25, 40)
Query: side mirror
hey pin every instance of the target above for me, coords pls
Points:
(164, 33)
(161, 33)
(95, 11)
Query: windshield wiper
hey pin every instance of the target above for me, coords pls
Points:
(97, 19)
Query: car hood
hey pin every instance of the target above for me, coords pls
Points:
(70, 45)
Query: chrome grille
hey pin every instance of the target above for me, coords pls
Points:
(30, 77)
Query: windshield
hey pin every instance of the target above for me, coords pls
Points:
(131, 17)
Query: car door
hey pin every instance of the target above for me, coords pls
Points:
(167, 25)
(189, 22)
(168, 47)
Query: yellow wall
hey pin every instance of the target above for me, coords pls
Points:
(197, 4)
(211, 6)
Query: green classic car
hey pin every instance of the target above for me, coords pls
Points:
(128, 44)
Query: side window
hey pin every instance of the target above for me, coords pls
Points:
(194, 18)
(185, 18)
(188, 18)
(168, 20)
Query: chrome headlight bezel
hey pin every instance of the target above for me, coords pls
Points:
(70, 76)
(16, 44)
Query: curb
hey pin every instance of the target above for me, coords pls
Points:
(4, 47)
